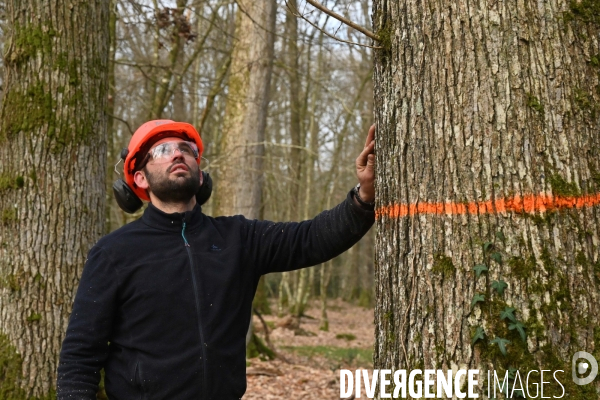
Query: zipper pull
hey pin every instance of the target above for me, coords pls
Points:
(183, 236)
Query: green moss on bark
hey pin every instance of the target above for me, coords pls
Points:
(29, 40)
(587, 11)
(561, 187)
(40, 106)
(522, 268)
(442, 265)
(11, 374)
(8, 181)
(534, 103)
(8, 215)
(385, 35)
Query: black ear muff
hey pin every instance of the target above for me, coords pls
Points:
(205, 190)
(126, 198)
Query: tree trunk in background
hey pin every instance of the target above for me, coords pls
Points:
(487, 154)
(295, 164)
(240, 174)
(112, 149)
(52, 169)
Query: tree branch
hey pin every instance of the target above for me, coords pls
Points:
(296, 13)
(344, 20)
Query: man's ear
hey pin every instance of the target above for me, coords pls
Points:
(140, 180)
(201, 176)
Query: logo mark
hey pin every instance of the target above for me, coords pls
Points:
(583, 367)
(215, 248)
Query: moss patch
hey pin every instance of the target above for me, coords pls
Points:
(11, 374)
(345, 336)
(34, 317)
(41, 110)
(337, 356)
(8, 181)
(8, 215)
(534, 103)
(29, 40)
(561, 187)
(442, 265)
(587, 11)
(385, 35)
(522, 268)
(257, 348)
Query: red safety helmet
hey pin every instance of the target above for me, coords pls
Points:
(143, 139)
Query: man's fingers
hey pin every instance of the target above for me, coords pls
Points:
(361, 161)
(371, 135)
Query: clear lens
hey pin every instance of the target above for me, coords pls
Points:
(164, 151)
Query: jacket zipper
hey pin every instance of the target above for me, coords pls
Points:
(196, 295)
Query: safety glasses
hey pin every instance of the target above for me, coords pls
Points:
(164, 151)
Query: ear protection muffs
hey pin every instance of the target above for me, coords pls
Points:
(129, 202)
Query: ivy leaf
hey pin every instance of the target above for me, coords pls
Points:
(496, 257)
(479, 268)
(476, 299)
(487, 246)
(520, 328)
(479, 335)
(501, 342)
(500, 236)
(499, 286)
(508, 313)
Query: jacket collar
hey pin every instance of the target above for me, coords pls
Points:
(158, 219)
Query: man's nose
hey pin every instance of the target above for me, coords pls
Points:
(177, 153)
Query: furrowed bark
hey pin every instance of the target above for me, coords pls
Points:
(482, 101)
(52, 171)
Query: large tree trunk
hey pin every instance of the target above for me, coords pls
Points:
(240, 174)
(52, 169)
(487, 154)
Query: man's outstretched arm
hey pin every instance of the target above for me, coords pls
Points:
(274, 247)
(85, 348)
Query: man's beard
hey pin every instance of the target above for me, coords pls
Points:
(174, 191)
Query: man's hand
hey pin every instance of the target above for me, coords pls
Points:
(365, 168)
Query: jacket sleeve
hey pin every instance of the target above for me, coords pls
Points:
(85, 347)
(286, 246)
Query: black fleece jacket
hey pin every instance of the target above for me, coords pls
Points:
(164, 303)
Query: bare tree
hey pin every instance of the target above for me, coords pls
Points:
(240, 178)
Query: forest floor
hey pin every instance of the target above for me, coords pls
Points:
(313, 358)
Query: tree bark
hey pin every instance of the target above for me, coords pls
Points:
(52, 171)
(242, 148)
(479, 105)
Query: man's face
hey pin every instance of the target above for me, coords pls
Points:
(174, 178)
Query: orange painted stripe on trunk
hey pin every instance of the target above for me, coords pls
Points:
(519, 204)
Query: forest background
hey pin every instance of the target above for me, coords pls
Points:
(487, 240)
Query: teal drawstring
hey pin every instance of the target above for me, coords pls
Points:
(183, 236)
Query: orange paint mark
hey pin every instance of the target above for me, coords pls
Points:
(518, 204)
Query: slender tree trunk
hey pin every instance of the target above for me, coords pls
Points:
(111, 147)
(325, 275)
(163, 94)
(487, 154)
(242, 148)
(52, 175)
(240, 177)
(291, 30)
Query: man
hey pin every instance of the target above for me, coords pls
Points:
(164, 302)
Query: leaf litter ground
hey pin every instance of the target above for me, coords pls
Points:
(314, 357)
